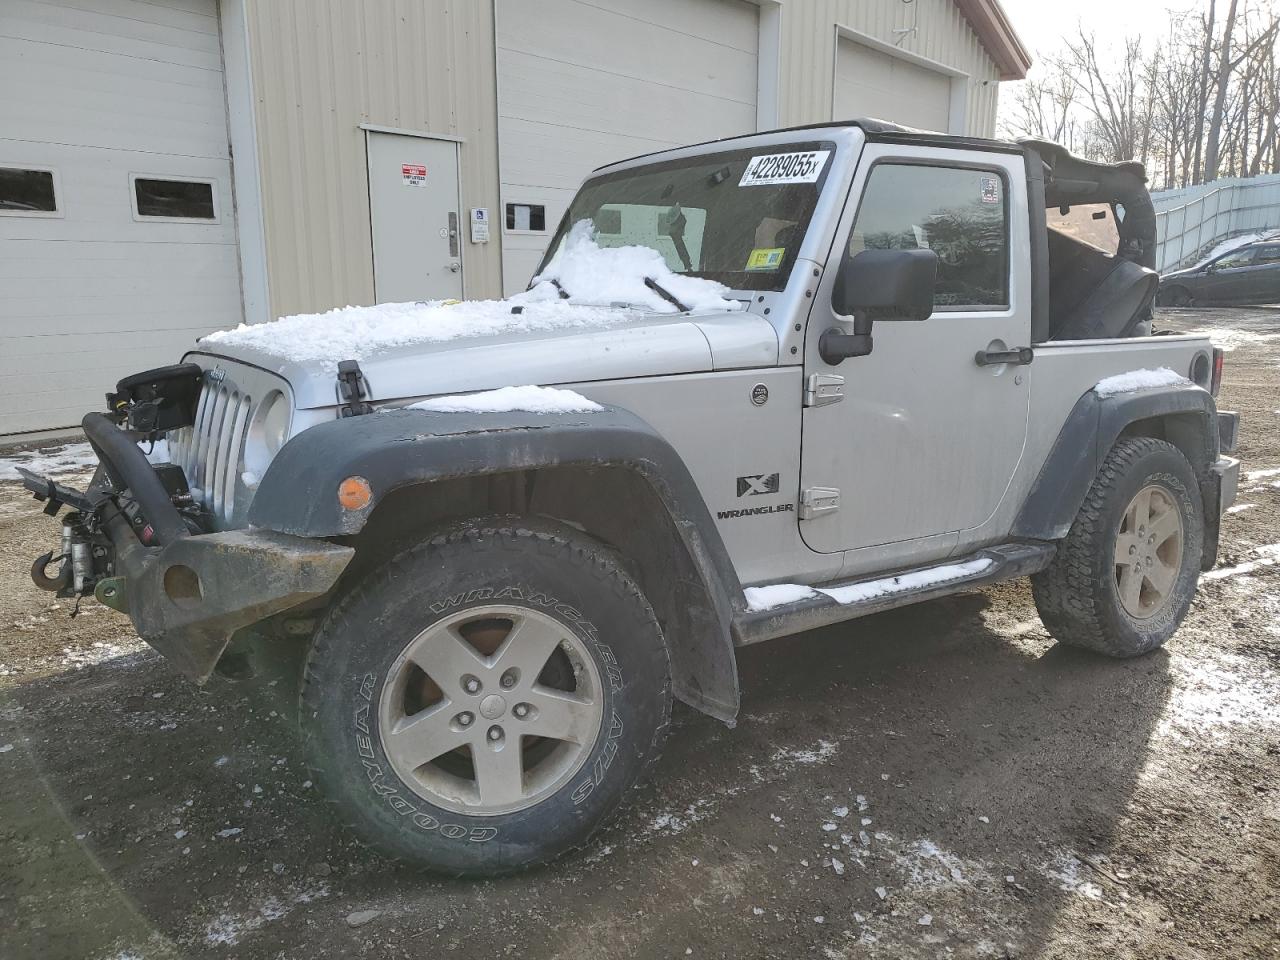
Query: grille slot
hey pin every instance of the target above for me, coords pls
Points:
(211, 452)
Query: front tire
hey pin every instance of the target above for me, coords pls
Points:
(1123, 578)
(484, 701)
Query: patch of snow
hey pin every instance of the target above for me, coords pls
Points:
(55, 461)
(859, 592)
(1229, 339)
(590, 273)
(1260, 474)
(881, 892)
(758, 911)
(824, 751)
(531, 399)
(776, 595)
(840, 811)
(250, 479)
(670, 822)
(596, 279)
(1232, 243)
(1135, 380)
(6, 748)
(1066, 869)
(1221, 695)
(837, 866)
(1268, 555)
(230, 832)
(1241, 507)
(925, 920)
(829, 826)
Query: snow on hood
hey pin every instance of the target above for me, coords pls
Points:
(606, 286)
(530, 399)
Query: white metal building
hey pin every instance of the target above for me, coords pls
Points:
(168, 167)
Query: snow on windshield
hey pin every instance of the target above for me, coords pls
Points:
(605, 286)
(590, 273)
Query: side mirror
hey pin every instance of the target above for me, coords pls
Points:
(878, 285)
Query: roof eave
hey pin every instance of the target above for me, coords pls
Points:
(997, 36)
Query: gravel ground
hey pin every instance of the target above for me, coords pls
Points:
(940, 781)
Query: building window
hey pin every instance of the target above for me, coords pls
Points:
(173, 199)
(958, 213)
(526, 218)
(28, 192)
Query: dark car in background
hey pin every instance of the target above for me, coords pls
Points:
(1247, 274)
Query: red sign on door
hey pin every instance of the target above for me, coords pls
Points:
(414, 174)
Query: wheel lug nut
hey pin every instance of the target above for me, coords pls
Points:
(521, 710)
(495, 733)
(1133, 549)
(464, 719)
(509, 679)
(470, 684)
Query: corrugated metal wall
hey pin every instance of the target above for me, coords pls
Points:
(321, 68)
(807, 60)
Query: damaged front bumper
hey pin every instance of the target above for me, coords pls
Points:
(187, 593)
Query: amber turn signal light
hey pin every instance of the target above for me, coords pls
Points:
(354, 493)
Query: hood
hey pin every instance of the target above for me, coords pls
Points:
(610, 344)
(1179, 274)
(594, 313)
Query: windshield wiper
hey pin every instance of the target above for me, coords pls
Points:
(665, 294)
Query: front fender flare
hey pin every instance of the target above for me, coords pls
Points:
(400, 448)
(1087, 436)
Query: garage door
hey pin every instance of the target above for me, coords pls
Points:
(117, 234)
(871, 83)
(582, 83)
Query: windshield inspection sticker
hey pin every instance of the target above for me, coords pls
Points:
(766, 258)
(775, 168)
(990, 190)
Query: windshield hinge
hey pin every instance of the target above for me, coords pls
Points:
(815, 501)
(823, 388)
(352, 390)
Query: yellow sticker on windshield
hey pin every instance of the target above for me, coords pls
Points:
(765, 258)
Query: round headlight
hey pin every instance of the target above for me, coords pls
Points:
(274, 418)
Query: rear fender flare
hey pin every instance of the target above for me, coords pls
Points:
(1187, 413)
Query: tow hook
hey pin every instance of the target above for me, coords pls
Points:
(46, 582)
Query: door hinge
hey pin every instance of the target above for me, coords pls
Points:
(823, 388)
(818, 500)
(352, 390)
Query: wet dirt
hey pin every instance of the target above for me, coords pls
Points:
(940, 781)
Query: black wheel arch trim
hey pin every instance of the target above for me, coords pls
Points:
(394, 449)
(1091, 429)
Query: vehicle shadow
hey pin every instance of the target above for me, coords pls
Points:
(143, 812)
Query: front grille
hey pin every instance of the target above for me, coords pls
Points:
(211, 452)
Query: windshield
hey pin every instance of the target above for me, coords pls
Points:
(736, 217)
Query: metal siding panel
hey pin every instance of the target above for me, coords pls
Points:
(808, 48)
(320, 69)
(628, 79)
(100, 90)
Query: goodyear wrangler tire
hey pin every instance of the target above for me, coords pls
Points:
(1122, 580)
(484, 701)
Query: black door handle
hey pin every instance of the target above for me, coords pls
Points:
(1018, 355)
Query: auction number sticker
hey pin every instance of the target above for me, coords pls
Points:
(804, 167)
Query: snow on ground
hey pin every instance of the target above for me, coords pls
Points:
(57, 461)
(1267, 555)
(858, 592)
(1229, 339)
(776, 595)
(530, 399)
(605, 287)
(1135, 380)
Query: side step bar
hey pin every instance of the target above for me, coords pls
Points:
(862, 597)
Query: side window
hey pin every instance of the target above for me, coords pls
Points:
(1268, 254)
(1240, 258)
(957, 213)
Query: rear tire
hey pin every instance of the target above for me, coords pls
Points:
(483, 702)
(1178, 297)
(1123, 578)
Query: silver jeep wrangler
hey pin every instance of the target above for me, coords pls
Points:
(757, 385)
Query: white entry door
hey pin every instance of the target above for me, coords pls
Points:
(416, 218)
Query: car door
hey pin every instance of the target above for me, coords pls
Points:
(1227, 279)
(1267, 268)
(920, 451)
